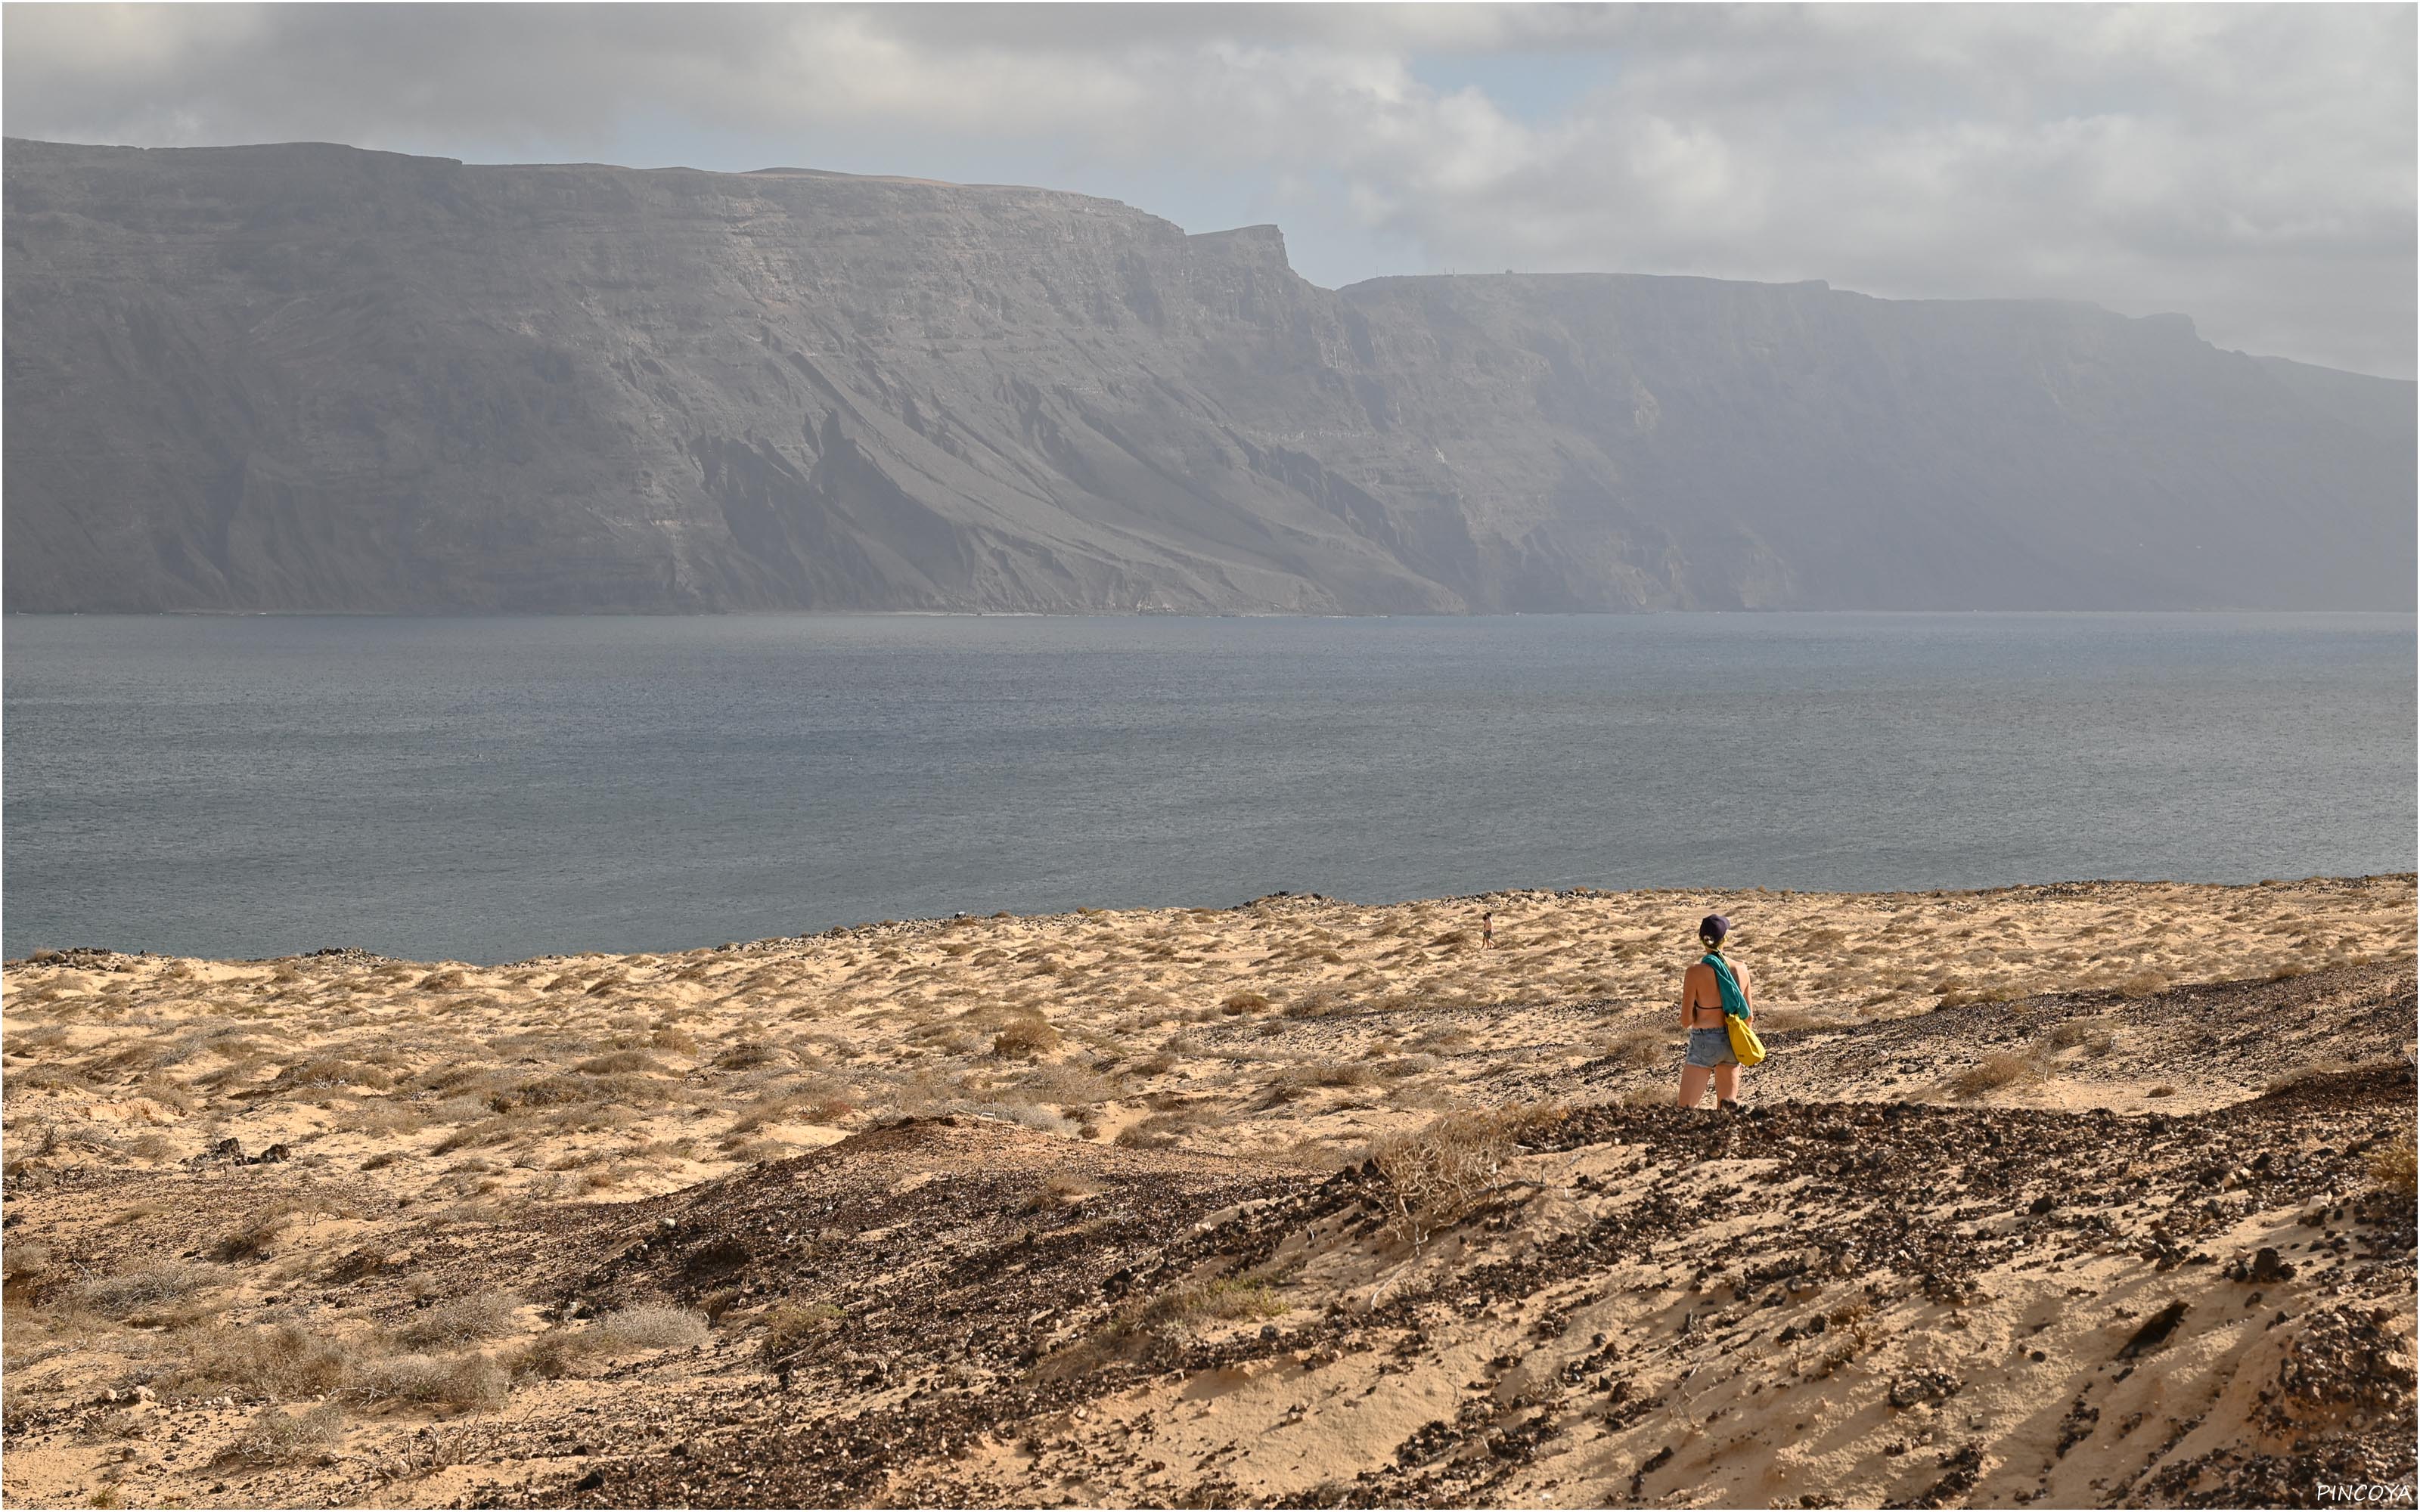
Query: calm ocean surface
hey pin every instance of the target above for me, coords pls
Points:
(487, 790)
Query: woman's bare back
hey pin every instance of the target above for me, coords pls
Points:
(1701, 994)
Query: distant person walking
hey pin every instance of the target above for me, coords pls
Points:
(1701, 1014)
(1487, 930)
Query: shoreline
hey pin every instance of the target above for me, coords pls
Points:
(2126, 611)
(1504, 897)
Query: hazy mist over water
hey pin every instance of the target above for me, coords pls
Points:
(487, 790)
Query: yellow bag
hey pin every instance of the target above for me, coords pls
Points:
(1745, 1047)
(1745, 1044)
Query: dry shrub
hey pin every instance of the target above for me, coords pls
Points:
(1296, 1081)
(259, 1234)
(748, 1054)
(828, 1107)
(379, 1117)
(1641, 1048)
(1993, 1072)
(24, 1263)
(252, 1242)
(149, 1289)
(552, 1355)
(124, 1060)
(151, 1146)
(2093, 1035)
(1315, 1005)
(1850, 1331)
(620, 1063)
(747, 1152)
(1061, 1191)
(2287, 971)
(2306, 1077)
(502, 1129)
(451, 1381)
(793, 1325)
(1439, 1174)
(330, 1071)
(460, 1319)
(1226, 1299)
(283, 1363)
(1339, 1074)
(1162, 1130)
(1024, 1038)
(1244, 1001)
(1325, 1155)
(459, 1076)
(1032, 1116)
(1066, 1085)
(1134, 1325)
(2144, 984)
(568, 1091)
(650, 1327)
(276, 1437)
(2393, 1166)
(645, 1327)
(808, 1106)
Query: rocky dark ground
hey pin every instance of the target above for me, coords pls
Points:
(1763, 1231)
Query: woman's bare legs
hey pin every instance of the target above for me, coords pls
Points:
(1693, 1083)
(1725, 1083)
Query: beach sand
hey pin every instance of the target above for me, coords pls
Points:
(1301, 1200)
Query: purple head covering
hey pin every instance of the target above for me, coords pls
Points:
(1713, 927)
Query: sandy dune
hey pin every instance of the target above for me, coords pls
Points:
(1301, 1201)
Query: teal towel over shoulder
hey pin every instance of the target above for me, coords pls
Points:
(1735, 1002)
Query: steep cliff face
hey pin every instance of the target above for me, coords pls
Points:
(313, 378)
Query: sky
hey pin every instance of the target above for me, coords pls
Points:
(2251, 166)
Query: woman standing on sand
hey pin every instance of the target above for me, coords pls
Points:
(1701, 1014)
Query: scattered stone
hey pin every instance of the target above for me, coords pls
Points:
(1923, 1386)
(2154, 1332)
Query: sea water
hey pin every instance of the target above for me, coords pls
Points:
(494, 789)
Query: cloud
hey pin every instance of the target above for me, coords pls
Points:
(2250, 165)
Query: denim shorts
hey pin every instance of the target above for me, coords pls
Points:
(1711, 1048)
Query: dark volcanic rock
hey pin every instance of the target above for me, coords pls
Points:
(312, 378)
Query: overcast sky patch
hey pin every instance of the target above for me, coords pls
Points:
(2253, 166)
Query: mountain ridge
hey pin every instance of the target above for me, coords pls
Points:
(313, 378)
